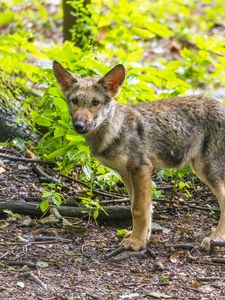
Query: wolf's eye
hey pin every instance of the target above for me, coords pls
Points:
(75, 101)
(95, 102)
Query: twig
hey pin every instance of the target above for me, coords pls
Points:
(39, 170)
(184, 246)
(6, 253)
(46, 238)
(213, 278)
(218, 243)
(35, 279)
(83, 251)
(116, 201)
(150, 253)
(20, 263)
(115, 252)
(127, 254)
(202, 207)
(220, 260)
(29, 160)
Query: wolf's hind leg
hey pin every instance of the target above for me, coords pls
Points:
(219, 232)
(213, 175)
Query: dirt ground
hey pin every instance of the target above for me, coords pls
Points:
(47, 261)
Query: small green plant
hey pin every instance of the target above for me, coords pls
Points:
(165, 278)
(93, 208)
(121, 232)
(50, 196)
(11, 215)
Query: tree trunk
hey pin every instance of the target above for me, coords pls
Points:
(68, 21)
(82, 28)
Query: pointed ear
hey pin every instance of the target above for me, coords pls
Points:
(113, 80)
(64, 77)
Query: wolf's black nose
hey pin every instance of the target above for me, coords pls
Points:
(79, 127)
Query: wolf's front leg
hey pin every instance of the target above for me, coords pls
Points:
(138, 184)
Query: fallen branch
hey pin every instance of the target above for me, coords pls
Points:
(115, 213)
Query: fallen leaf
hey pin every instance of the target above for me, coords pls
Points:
(159, 295)
(176, 256)
(194, 283)
(20, 284)
(42, 264)
(2, 170)
(130, 296)
(49, 220)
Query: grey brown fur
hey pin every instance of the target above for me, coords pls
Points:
(137, 139)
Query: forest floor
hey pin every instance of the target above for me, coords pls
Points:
(47, 261)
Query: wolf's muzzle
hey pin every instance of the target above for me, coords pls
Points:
(80, 127)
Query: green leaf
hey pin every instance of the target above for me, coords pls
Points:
(121, 232)
(19, 143)
(59, 131)
(159, 29)
(87, 170)
(56, 199)
(59, 152)
(95, 214)
(6, 17)
(46, 194)
(44, 205)
(74, 138)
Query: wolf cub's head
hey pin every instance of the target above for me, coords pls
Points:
(89, 99)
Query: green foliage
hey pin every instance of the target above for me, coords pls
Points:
(168, 50)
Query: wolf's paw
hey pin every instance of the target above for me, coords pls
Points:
(217, 235)
(206, 244)
(133, 243)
